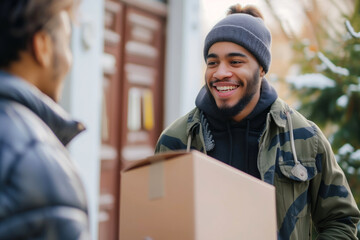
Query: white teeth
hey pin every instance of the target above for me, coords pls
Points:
(225, 88)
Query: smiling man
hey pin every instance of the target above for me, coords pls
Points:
(240, 121)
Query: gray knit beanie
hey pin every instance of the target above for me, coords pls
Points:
(245, 30)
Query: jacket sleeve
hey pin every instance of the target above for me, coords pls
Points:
(334, 210)
(173, 137)
(169, 142)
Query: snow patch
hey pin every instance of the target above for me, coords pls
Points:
(355, 155)
(342, 101)
(311, 80)
(353, 88)
(351, 170)
(345, 149)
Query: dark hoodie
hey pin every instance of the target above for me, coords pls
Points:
(236, 143)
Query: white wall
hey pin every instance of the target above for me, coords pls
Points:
(82, 99)
(184, 73)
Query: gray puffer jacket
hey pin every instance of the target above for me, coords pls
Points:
(41, 194)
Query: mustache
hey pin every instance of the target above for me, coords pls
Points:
(238, 82)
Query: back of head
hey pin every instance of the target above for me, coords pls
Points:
(245, 27)
(21, 19)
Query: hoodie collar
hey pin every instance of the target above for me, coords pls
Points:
(22, 92)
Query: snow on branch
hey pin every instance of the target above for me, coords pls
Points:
(342, 101)
(346, 149)
(311, 80)
(332, 66)
(351, 30)
(355, 156)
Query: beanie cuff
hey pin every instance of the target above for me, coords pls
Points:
(242, 37)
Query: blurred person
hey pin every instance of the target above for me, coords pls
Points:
(239, 120)
(41, 194)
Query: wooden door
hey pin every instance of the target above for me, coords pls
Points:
(132, 117)
(143, 84)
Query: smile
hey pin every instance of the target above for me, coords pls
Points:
(226, 88)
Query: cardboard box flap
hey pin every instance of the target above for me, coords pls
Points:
(154, 158)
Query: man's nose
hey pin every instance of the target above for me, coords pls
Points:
(222, 72)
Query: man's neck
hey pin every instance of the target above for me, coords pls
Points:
(248, 109)
(25, 68)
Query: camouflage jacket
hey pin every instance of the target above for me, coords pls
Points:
(319, 194)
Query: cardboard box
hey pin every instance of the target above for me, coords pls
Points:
(191, 196)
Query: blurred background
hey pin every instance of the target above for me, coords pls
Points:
(138, 66)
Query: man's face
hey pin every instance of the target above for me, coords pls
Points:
(61, 57)
(232, 76)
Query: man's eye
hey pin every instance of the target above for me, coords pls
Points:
(236, 62)
(211, 63)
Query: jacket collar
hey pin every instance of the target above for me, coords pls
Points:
(278, 112)
(16, 89)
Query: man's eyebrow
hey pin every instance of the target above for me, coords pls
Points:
(236, 54)
(212, 55)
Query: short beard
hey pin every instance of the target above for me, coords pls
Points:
(230, 112)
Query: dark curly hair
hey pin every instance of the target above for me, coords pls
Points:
(249, 9)
(21, 19)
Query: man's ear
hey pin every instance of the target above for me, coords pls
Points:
(42, 47)
(262, 72)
